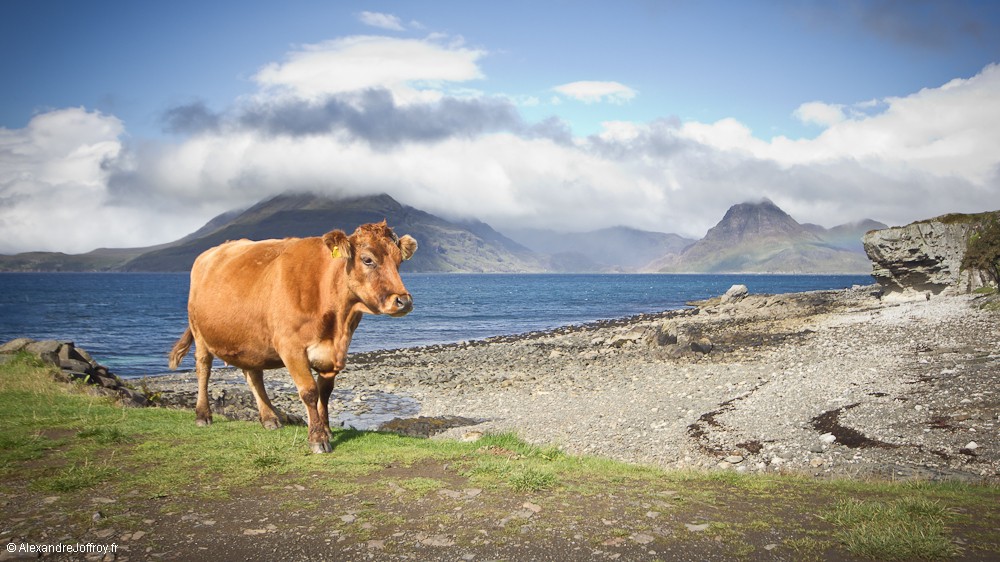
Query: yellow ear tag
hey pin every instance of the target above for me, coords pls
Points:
(335, 252)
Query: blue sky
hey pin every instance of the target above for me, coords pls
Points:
(154, 117)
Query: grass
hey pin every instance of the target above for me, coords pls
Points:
(900, 529)
(59, 440)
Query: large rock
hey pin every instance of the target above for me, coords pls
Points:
(924, 257)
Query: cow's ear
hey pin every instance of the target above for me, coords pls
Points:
(407, 246)
(338, 243)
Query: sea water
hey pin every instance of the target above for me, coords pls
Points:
(130, 321)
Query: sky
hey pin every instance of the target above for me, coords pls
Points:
(126, 124)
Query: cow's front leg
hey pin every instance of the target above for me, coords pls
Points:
(298, 368)
(325, 383)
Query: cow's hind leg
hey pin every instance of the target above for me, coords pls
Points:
(268, 417)
(324, 383)
(203, 366)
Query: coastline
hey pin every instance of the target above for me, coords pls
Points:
(829, 383)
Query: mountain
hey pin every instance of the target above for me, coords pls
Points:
(617, 248)
(761, 238)
(752, 237)
(444, 246)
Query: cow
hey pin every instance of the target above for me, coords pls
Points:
(294, 303)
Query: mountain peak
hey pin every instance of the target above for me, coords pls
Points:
(761, 219)
(300, 200)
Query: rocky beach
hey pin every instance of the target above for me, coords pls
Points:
(830, 383)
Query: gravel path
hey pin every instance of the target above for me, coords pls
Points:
(830, 383)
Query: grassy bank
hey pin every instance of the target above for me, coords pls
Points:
(74, 467)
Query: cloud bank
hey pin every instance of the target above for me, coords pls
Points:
(368, 114)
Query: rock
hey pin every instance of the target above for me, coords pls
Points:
(736, 293)
(132, 398)
(925, 257)
(75, 365)
(632, 336)
(642, 538)
(702, 345)
(734, 459)
(15, 345)
(697, 528)
(827, 438)
(532, 507)
(47, 351)
(46, 346)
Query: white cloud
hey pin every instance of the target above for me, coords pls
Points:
(54, 192)
(820, 113)
(68, 182)
(380, 20)
(404, 66)
(596, 92)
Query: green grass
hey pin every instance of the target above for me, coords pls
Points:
(60, 441)
(906, 528)
(421, 486)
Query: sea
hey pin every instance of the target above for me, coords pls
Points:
(129, 321)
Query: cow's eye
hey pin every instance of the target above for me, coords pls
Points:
(367, 261)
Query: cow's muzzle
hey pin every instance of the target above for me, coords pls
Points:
(399, 305)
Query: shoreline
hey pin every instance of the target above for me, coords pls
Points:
(829, 383)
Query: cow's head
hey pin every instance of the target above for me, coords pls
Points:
(373, 254)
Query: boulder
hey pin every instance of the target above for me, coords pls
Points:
(15, 345)
(47, 351)
(735, 294)
(76, 365)
(672, 339)
(702, 345)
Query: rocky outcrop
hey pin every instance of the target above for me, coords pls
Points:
(924, 257)
(75, 364)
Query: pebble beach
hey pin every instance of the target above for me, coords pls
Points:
(827, 383)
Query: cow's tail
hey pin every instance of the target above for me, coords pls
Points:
(181, 348)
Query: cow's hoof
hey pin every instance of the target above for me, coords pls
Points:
(319, 448)
(271, 423)
(203, 423)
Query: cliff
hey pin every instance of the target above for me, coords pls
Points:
(926, 256)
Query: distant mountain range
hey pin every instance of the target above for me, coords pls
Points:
(754, 237)
(761, 238)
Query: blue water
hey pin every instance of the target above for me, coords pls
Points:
(129, 321)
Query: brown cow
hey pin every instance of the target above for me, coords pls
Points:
(295, 303)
